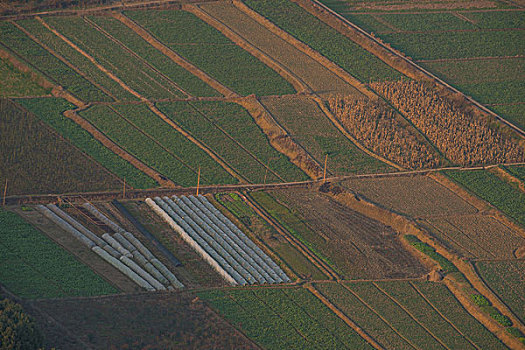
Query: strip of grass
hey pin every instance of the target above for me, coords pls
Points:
(446, 265)
(18, 84)
(74, 57)
(323, 38)
(41, 60)
(212, 52)
(189, 82)
(49, 110)
(134, 72)
(32, 266)
(494, 190)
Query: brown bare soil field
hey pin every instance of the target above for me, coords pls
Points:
(142, 321)
(80, 251)
(412, 195)
(475, 236)
(308, 70)
(359, 247)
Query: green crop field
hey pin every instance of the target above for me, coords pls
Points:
(294, 259)
(517, 171)
(494, 190)
(426, 22)
(212, 52)
(135, 72)
(321, 37)
(505, 278)
(284, 319)
(79, 61)
(497, 20)
(231, 132)
(49, 110)
(187, 81)
(146, 136)
(33, 266)
(16, 83)
(513, 113)
(299, 116)
(44, 62)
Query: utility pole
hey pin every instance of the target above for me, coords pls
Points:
(324, 171)
(198, 180)
(5, 192)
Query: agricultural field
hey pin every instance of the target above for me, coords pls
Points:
(494, 190)
(231, 132)
(505, 278)
(517, 171)
(404, 314)
(476, 51)
(33, 266)
(209, 50)
(357, 247)
(286, 318)
(298, 115)
(49, 110)
(34, 159)
(16, 83)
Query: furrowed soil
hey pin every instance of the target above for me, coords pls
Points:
(142, 321)
(309, 71)
(359, 247)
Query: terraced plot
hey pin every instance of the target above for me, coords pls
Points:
(32, 266)
(212, 52)
(505, 278)
(411, 314)
(284, 318)
(231, 132)
(141, 132)
(356, 246)
(306, 123)
(49, 110)
(47, 64)
(316, 76)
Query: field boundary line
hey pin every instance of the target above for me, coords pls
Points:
(368, 306)
(173, 56)
(64, 60)
(403, 307)
(360, 331)
(137, 56)
(112, 146)
(92, 60)
(236, 142)
(443, 316)
(466, 59)
(386, 23)
(444, 31)
(242, 42)
(322, 60)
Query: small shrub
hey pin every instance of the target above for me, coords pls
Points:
(515, 332)
(480, 300)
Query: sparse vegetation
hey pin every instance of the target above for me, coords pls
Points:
(18, 330)
(16, 83)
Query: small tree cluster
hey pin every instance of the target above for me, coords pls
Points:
(17, 329)
(379, 129)
(463, 137)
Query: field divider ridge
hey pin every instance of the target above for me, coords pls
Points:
(172, 55)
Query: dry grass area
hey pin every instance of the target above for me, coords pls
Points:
(144, 321)
(357, 246)
(412, 195)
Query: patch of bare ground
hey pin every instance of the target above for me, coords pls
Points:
(412, 195)
(308, 70)
(80, 251)
(140, 321)
(360, 247)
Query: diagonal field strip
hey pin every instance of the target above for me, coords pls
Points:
(144, 34)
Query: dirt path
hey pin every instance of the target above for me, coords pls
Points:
(144, 34)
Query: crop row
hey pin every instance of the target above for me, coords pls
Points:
(142, 133)
(297, 262)
(32, 266)
(232, 133)
(297, 115)
(132, 70)
(212, 52)
(49, 110)
(494, 190)
(324, 39)
(219, 242)
(505, 278)
(44, 62)
(422, 314)
(284, 319)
